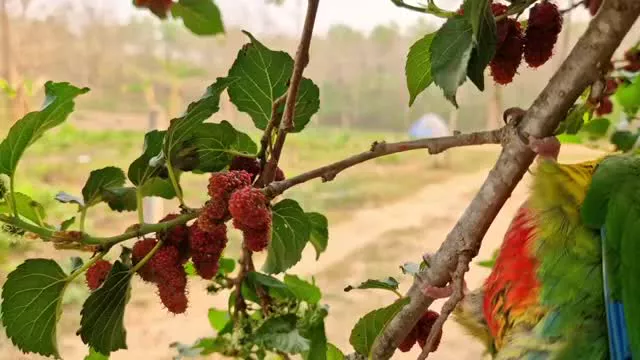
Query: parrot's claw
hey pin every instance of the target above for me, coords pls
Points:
(436, 292)
(548, 147)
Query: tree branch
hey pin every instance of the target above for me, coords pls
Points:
(581, 68)
(301, 61)
(378, 149)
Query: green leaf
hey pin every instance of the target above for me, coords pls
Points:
(307, 104)
(158, 187)
(319, 232)
(389, 283)
(628, 96)
(27, 207)
(371, 325)
(418, 67)
(303, 290)
(99, 180)
(575, 119)
(226, 266)
(217, 144)
(181, 130)
(202, 17)
(289, 235)
(624, 139)
(597, 128)
(280, 333)
(31, 300)
(101, 325)
(94, 355)
(218, 318)
(318, 349)
(120, 198)
(450, 53)
(333, 353)
(151, 179)
(275, 287)
(57, 106)
(479, 14)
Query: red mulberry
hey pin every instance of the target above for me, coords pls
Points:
(206, 264)
(212, 213)
(159, 7)
(222, 184)
(279, 175)
(424, 326)
(257, 240)
(140, 250)
(248, 207)
(605, 107)
(409, 341)
(250, 165)
(97, 274)
(167, 257)
(508, 57)
(545, 23)
(499, 9)
(175, 235)
(174, 299)
(213, 241)
(633, 58)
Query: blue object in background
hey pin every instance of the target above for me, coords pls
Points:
(429, 125)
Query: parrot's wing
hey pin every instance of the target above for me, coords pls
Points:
(612, 205)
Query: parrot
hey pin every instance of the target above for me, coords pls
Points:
(565, 283)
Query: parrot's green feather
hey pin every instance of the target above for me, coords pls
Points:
(613, 201)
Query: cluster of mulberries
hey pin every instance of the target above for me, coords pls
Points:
(544, 25)
(420, 332)
(207, 245)
(97, 274)
(508, 56)
(252, 166)
(159, 7)
(604, 105)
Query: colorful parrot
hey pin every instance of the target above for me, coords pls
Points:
(566, 282)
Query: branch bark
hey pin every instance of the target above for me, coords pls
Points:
(582, 67)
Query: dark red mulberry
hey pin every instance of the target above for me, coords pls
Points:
(424, 326)
(222, 184)
(605, 107)
(175, 235)
(159, 7)
(248, 207)
(545, 23)
(409, 341)
(97, 274)
(212, 213)
(257, 240)
(140, 249)
(508, 57)
(174, 299)
(250, 165)
(213, 241)
(206, 265)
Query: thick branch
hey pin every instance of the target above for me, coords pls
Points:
(301, 61)
(582, 67)
(378, 149)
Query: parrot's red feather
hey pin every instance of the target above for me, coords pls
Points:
(512, 288)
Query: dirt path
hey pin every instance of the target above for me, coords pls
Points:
(372, 244)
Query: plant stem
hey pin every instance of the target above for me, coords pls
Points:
(83, 217)
(146, 258)
(174, 182)
(40, 231)
(14, 204)
(84, 267)
(139, 206)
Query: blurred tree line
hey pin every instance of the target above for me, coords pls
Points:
(134, 66)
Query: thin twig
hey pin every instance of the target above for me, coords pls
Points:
(274, 123)
(581, 68)
(301, 61)
(378, 149)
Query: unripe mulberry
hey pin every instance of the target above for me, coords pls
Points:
(409, 341)
(545, 23)
(424, 326)
(206, 265)
(175, 235)
(250, 165)
(257, 240)
(222, 184)
(211, 242)
(508, 56)
(159, 7)
(248, 207)
(605, 107)
(140, 249)
(97, 274)
(174, 299)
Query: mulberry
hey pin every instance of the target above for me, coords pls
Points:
(508, 56)
(424, 326)
(175, 235)
(174, 299)
(279, 175)
(545, 23)
(222, 184)
(605, 107)
(250, 165)
(159, 7)
(140, 249)
(499, 9)
(409, 341)
(97, 274)
(593, 6)
(257, 240)
(633, 57)
(212, 213)
(248, 207)
(166, 257)
(206, 264)
(212, 241)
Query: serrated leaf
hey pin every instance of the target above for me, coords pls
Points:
(371, 325)
(333, 353)
(98, 181)
(158, 187)
(94, 355)
(410, 268)
(31, 300)
(389, 283)
(450, 53)
(101, 325)
(218, 318)
(319, 237)
(57, 106)
(307, 104)
(303, 290)
(275, 287)
(181, 130)
(628, 96)
(120, 198)
(289, 235)
(280, 333)
(485, 37)
(418, 67)
(217, 144)
(202, 17)
(27, 207)
(66, 198)
(140, 171)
